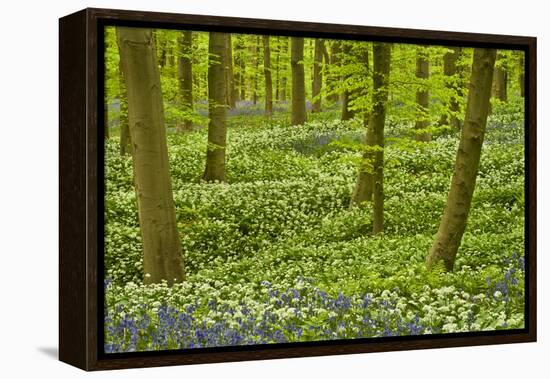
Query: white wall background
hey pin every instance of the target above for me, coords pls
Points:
(28, 200)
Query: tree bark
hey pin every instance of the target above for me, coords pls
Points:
(422, 95)
(217, 130)
(284, 74)
(453, 83)
(162, 254)
(277, 70)
(298, 115)
(380, 80)
(241, 65)
(267, 75)
(455, 216)
(317, 81)
(347, 114)
(185, 76)
(334, 64)
(229, 75)
(364, 186)
(255, 52)
(500, 80)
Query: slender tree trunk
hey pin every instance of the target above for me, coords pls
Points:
(422, 95)
(237, 69)
(333, 78)
(364, 186)
(451, 72)
(455, 216)
(347, 114)
(268, 81)
(256, 51)
(217, 130)
(229, 75)
(500, 80)
(242, 69)
(326, 55)
(283, 90)
(298, 115)
(521, 77)
(277, 75)
(161, 48)
(317, 81)
(380, 80)
(185, 76)
(162, 254)
(125, 147)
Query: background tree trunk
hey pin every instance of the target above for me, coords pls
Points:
(364, 186)
(317, 81)
(500, 80)
(455, 216)
(451, 72)
(162, 254)
(268, 81)
(284, 74)
(239, 63)
(256, 51)
(422, 95)
(185, 76)
(277, 69)
(380, 80)
(333, 78)
(217, 130)
(347, 114)
(229, 75)
(298, 115)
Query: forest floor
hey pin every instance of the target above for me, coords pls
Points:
(276, 255)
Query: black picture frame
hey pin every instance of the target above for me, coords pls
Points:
(81, 188)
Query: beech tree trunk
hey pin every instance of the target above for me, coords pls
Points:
(229, 75)
(162, 253)
(298, 115)
(422, 95)
(185, 76)
(347, 114)
(334, 64)
(500, 80)
(217, 130)
(284, 74)
(242, 73)
(364, 186)
(255, 50)
(317, 81)
(453, 82)
(455, 216)
(380, 80)
(277, 69)
(267, 76)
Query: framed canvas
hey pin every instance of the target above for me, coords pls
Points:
(241, 189)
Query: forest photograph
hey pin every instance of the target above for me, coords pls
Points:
(267, 189)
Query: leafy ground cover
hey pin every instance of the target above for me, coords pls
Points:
(276, 255)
